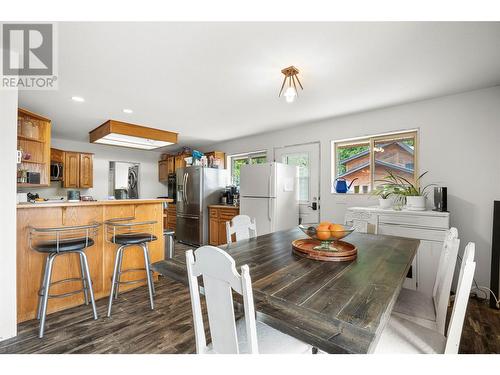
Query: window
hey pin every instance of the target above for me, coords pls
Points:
(300, 160)
(365, 161)
(236, 161)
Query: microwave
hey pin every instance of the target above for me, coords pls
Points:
(56, 171)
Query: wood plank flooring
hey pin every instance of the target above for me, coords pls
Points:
(134, 328)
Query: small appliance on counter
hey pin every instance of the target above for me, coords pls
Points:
(87, 198)
(33, 177)
(73, 196)
(230, 196)
(121, 194)
(440, 199)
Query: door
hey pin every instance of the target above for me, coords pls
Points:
(260, 209)
(163, 170)
(257, 180)
(71, 170)
(307, 158)
(188, 230)
(86, 171)
(189, 191)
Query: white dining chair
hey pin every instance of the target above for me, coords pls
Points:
(430, 311)
(242, 227)
(220, 278)
(404, 336)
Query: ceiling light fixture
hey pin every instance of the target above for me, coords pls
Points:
(117, 133)
(127, 110)
(291, 89)
(78, 99)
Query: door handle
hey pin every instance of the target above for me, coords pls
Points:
(187, 176)
(184, 187)
(314, 206)
(269, 209)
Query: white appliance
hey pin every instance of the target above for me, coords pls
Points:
(427, 226)
(268, 193)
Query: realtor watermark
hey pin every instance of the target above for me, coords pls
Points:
(29, 56)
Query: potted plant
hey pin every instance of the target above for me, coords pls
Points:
(384, 193)
(407, 192)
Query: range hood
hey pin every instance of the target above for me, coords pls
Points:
(118, 133)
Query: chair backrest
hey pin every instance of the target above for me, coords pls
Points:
(220, 277)
(444, 277)
(464, 285)
(242, 227)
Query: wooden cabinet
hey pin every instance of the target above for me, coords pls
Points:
(33, 138)
(78, 170)
(56, 155)
(218, 155)
(163, 170)
(171, 165)
(170, 217)
(179, 161)
(71, 170)
(86, 170)
(218, 216)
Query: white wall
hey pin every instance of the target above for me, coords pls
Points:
(149, 186)
(8, 146)
(459, 146)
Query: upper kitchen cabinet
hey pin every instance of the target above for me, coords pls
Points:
(217, 155)
(33, 143)
(56, 156)
(78, 170)
(179, 161)
(71, 170)
(163, 170)
(86, 170)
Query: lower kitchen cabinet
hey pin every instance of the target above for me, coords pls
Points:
(169, 220)
(218, 216)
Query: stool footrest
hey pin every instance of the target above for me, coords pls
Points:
(132, 281)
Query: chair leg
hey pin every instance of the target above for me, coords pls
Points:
(42, 288)
(89, 283)
(149, 277)
(113, 282)
(45, 299)
(84, 281)
(118, 276)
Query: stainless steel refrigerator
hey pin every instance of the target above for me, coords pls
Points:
(197, 187)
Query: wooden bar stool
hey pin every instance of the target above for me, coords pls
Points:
(60, 241)
(126, 233)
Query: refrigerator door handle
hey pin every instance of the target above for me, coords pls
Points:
(187, 176)
(269, 209)
(269, 185)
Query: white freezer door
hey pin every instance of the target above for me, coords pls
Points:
(258, 180)
(263, 210)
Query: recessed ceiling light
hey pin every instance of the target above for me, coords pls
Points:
(127, 110)
(77, 99)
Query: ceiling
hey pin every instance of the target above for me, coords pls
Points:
(217, 81)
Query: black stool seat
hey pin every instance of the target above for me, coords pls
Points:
(133, 238)
(72, 244)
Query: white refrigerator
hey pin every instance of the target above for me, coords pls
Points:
(268, 193)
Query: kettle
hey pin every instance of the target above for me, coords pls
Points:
(341, 185)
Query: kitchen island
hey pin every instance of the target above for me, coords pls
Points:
(30, 264)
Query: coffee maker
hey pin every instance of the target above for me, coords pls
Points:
(231, 193)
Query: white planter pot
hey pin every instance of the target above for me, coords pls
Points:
(385, 203)
(415, 203)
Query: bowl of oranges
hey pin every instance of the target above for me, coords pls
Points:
(326, 233)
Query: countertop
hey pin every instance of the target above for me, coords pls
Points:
(93, 203)
(223, 206)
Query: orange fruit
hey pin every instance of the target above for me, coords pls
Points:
(323, 232)
(336, 230)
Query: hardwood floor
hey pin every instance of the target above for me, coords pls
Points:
(134, 328)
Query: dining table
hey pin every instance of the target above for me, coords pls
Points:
(337, 307)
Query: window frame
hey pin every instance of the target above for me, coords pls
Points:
(371, 140)
(241, 156)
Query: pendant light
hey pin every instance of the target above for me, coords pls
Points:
(290, 82)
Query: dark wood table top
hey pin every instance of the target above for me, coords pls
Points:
(337, 307)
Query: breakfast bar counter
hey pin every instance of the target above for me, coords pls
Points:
(30, 264)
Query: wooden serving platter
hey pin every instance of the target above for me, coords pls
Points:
(305, 248)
